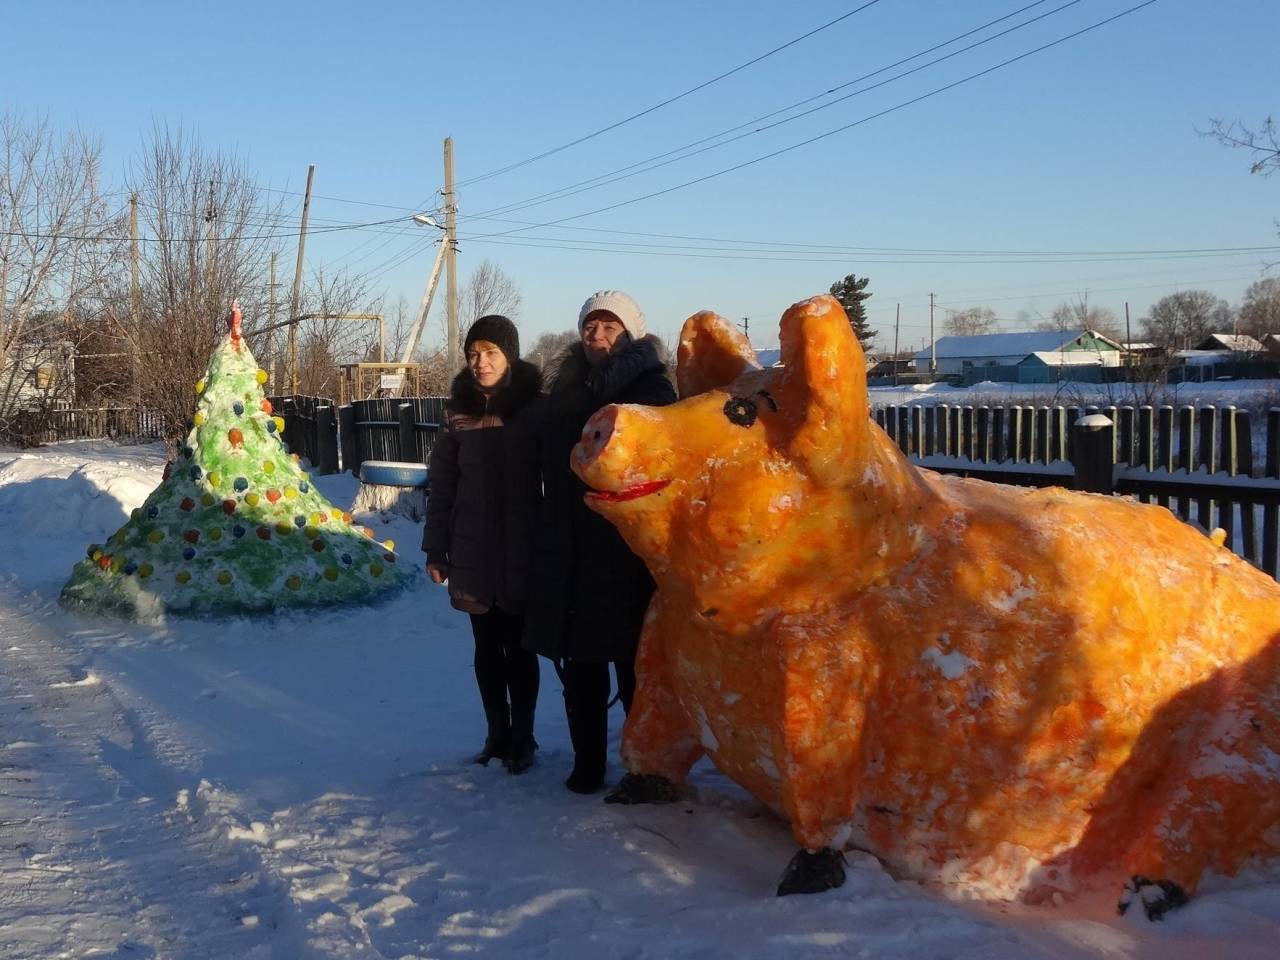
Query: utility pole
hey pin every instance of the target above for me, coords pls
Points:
(271, 290)
(211, 219)
(135, 298)
(746, 327)
(271, 318)
(451, 265)
(1128, 337)
(897, 315)
(296, 296)
(933, 346)
(135, 292)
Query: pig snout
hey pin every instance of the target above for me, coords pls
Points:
(595, 436)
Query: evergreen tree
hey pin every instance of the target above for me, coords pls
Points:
(235, 525)
(851, 292)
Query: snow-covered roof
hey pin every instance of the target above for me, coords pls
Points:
(768, 358)
(1139, 345)
(1004, 344)
(1235, 342)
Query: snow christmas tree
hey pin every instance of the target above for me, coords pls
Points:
(235, 526)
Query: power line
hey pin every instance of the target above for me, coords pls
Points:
(830, 133)
(667, 102)
(35, 235)
(714, 253)
(621, 173)
(762, 246)
(852, 249)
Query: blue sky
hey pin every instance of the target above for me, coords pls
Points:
(1090, 147)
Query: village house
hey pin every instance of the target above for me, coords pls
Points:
(1034, 357)
(1230, 343)
(37, 375)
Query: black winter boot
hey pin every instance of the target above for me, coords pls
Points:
(497, 743)
(523, 746)
(589, 737)
(589, 731)
(813, 872)
(643, 788)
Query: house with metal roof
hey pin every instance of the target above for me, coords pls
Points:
(1041, 348)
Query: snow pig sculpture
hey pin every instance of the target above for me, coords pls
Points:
(1022, 691)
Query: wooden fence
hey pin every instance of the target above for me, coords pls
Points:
(30, 428)
(1211, 466)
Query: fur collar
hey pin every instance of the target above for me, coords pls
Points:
(611, 378)
(522, 386)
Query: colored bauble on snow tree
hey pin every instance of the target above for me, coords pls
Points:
(235, 526)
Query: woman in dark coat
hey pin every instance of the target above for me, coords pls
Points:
(481, 516)
(590, 592)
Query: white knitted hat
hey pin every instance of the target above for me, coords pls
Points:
(620, 305)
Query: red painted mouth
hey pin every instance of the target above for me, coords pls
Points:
(631, 493)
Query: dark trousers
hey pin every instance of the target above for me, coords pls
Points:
(586, 705)
(504, 668)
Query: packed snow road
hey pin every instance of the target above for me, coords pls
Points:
(297, 787)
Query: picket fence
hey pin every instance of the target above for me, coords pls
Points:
(29, 428)
(1212, 466)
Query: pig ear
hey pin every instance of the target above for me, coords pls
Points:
(712, 353)
(823, 389)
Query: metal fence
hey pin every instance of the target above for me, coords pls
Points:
(401, 429)
(310, 430)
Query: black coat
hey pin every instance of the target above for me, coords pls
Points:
(589, 591)
(486, 488)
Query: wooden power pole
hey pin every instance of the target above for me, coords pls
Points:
(897, 315)
(271, 319)
(296, 296)
(211, 222)
(1128, 337)
(135, 297)
(451, 263)
(933, 344)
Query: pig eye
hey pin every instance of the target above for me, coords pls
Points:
(741, 411)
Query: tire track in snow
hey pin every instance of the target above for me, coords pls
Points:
(91, 858)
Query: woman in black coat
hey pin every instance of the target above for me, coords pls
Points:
(481, 515)
(590, 592)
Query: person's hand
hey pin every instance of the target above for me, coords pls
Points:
(438, 572)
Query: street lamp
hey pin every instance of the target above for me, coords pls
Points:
(426, 220)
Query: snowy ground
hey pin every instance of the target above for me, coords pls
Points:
(297, 787)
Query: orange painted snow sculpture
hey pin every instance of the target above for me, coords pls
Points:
(1016, 690)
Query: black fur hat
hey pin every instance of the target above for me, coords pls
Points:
(499, 331)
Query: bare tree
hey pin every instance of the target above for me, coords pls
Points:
(1262, 142)
(328, 341)
(58, 246)
(488, 290)
(210, 236)
(1260, 310)
(1079, 315)
(548, 349)
(970, 322)
(1181, 320)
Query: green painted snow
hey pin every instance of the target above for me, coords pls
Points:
(259, 535)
